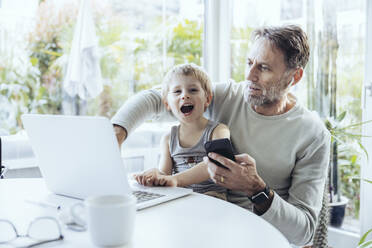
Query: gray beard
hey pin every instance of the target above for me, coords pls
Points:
(269, 96)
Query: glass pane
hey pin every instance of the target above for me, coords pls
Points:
(138, 42)
(332, 81)
(16, 73)
(7, 231)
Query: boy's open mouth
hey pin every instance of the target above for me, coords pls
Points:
(187, 108)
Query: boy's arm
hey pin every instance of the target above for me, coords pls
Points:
(165, 163)
(151, 176)
(199, 172)
(196, 174)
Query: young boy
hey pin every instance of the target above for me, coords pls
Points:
(187, 93)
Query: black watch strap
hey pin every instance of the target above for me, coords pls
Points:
(261, 196)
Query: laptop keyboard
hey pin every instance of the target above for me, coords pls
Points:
(143, 196)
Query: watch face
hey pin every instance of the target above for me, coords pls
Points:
(260, 198)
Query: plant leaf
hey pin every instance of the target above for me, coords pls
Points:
(34, 61)
(353, 159)
(356, 125)
(364, 149)
(368, 181)
(363, 238)
(366, 244)
(51, 52)
(341, 116)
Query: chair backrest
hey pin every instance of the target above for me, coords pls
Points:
(321, 233)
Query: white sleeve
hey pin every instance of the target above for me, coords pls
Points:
(145, 105)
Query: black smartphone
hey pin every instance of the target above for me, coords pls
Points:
(222, 147)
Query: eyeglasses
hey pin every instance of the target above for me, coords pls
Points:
(42, 230)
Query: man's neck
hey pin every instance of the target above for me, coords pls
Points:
(277, 108)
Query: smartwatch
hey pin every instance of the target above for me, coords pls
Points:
(261, 196)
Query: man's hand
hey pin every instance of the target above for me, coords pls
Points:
(121, 133)
(242, 174)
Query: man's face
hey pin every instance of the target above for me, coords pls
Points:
(266, 75)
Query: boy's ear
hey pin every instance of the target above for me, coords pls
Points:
(166, 105)
(209, 100)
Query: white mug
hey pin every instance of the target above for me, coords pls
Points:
(110, 218)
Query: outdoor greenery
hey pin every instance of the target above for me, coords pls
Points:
(131, 60)
(20, 90)
(46, 44)
(240, 44)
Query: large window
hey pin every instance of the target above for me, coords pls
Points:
(138, 42)
(334, 75)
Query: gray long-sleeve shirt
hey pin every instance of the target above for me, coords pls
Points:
(291, 152)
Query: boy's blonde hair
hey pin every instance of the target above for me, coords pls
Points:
(189, 69)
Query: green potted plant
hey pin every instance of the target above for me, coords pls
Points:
(345, 144)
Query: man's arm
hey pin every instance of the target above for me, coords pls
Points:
(296, 216)
(148, 105)
(121, 133)
(143, 106)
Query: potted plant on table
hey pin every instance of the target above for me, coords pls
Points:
(346, 147)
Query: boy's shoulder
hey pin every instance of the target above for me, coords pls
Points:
(221, 126)
(220, 131)
(166, 135)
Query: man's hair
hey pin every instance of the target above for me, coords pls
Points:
(187, 70)
(291, 40)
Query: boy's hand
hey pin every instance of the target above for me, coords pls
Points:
(165, 180)
(147, 177)
(154, 177)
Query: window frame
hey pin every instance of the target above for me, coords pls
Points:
(216, 47)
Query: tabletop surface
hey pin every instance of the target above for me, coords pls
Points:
(192, 221)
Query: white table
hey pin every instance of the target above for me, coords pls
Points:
(192, 221)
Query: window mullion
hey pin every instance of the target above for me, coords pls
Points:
(217, 39)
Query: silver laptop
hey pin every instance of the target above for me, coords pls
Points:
(79, 156)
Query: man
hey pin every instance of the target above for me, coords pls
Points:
(281, 171)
